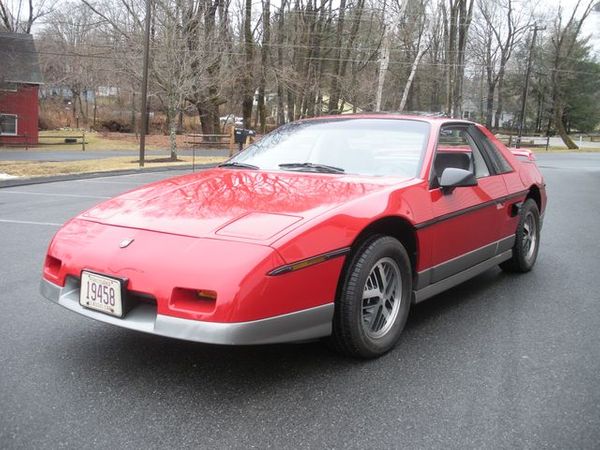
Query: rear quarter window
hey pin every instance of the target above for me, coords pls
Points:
(501, 165)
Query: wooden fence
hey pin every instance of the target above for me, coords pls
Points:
(78, 139)
(208, 141)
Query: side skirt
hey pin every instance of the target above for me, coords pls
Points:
(447, 283)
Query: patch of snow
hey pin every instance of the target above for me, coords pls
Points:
(5, 176)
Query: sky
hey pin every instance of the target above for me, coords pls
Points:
(591, 27)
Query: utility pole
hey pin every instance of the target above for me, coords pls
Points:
(526, 87)
(144, 108)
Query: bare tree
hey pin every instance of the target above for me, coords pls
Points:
(420, 35)
(457, 20)
(563, 40)
(247, 77)
(498, 31)
(341, 52)
(171, 65)
(317, 55)
(18, 16)
(280, 64)
(264, 55)
(201, 26)
(71, 35)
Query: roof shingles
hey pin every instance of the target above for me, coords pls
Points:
(19, 61)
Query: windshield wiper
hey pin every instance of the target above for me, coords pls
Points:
(239, 164)
(313, 167)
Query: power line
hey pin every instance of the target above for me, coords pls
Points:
(111, 56)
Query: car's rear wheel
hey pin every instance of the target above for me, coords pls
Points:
(527, 241)
(374, 299)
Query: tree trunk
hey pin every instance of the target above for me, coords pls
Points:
(560, 128)
(489, 106)
(450, 53)
(95, 109)
(307, 74)
(261, 108)
(248, 91)
(383, 66)
(74, 105)
(538, 118)
(411, 77)
(87, 107)
(172, 127)
(464, 22)
(316, 108)
(280, 36)
(291, 106)
(132, 122)
(207, 115)
(334, 91)
(357, 13)
(500, 105)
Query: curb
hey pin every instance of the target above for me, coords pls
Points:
(113, 173)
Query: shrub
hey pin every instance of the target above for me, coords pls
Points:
(116, 125)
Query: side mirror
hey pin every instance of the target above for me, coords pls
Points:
(453, 177)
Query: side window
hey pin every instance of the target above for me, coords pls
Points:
(481, 167)
(8, 124)
(457, 148)
(497, 159)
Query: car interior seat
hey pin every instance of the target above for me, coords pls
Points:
(457, 160)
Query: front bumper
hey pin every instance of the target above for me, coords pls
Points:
(302, 325)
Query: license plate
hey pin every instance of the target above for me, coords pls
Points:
(101, 293)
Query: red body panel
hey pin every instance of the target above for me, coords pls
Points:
(224, 230)
(467, 232)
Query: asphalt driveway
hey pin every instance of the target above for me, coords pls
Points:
(502, 361)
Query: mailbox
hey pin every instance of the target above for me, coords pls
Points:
(241, 134)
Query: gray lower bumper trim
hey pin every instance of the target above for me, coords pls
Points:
(297, 326)
(447, 283)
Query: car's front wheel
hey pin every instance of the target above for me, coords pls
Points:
(527, 240)
(374, 299)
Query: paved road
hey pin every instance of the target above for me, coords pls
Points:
(74, 155)
(558, 142)
(499, 362)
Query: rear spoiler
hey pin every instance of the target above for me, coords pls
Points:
(523, 153)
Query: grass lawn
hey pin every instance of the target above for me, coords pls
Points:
(28, 169)
(99, 141)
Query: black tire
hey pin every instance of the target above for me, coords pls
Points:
(527, 241)
(377, 263)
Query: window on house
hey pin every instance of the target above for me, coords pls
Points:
(8, 87)
(8, 124)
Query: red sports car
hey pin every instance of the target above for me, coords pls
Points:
(325, 228)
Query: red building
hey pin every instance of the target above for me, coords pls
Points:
(20, 78)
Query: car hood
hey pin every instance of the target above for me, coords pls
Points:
(233, 204)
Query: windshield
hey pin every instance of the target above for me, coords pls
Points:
(379, 147)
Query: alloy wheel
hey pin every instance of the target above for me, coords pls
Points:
(381, 299)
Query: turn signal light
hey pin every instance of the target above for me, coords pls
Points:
(309, 261)
(206, 295)
(52, 266)
(193, 300)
